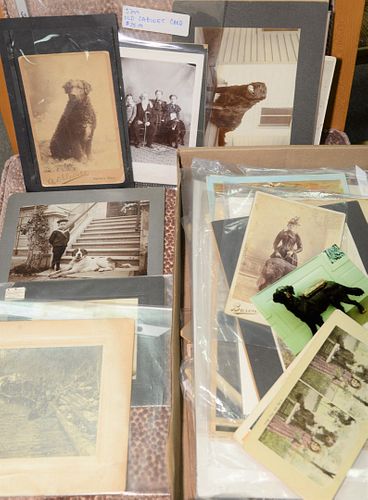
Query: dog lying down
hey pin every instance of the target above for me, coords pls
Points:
(83, 263)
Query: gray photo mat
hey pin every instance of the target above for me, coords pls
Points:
(155, 196)
(310, 17)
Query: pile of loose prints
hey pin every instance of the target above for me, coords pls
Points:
(280, 339)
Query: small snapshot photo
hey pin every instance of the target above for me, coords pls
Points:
(163, 99)
(298, 304)
(281, 235)
(339, 371)
(251, 85)
(71, 106)
(49, 401)
(81, 240)
(311, 434)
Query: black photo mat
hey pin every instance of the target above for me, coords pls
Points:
(52, 36)
(309, 16)
(154, 196)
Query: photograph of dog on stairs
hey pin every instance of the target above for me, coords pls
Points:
(81, 240)
(72, 111)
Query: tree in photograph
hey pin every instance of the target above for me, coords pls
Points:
(37, 231)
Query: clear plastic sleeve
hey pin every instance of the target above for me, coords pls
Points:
(236, 359)
(166, 110)
(43, 390)
(65, 86)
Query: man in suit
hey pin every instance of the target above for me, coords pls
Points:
(159, 107)
(144, 120)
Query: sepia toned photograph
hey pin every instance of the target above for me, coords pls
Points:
(251, 85)
(163, 101)
(71, 106)
(297, 305)
(41, 414)
(81, 240)
(58, 386)
(339, 371)
(292, 233)
(310, 433)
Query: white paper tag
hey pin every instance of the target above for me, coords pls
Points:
(16, 293)
(362, 179)
(22, 8)
(158, 21)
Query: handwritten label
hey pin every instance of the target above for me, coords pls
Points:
(22, 8)
(16, 293)
(158, 21)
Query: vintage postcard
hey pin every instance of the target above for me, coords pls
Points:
(250, 106)
(65, 431)
(299, 303)
(163, 91)
(310, 425)
(221, 188)
(83, 234)
(281, 235)
(71, 106)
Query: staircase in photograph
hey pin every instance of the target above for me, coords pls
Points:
(115, 237)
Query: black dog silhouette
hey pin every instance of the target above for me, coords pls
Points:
(309, 308)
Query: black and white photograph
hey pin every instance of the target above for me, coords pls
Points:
(105, 233)
(252, 76)
(76, 240)
(163, 101)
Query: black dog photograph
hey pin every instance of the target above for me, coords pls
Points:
(71, 106)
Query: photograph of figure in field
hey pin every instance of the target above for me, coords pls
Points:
(339, 371)
(250, 85)
(291, 234)
(49, 401)
(71, 105)
(81, 240)
(163, 96)
(311, 434)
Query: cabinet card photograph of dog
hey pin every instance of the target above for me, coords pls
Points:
(71, 106)
(298, 304)
(164, 106)
(292, 233)
(315, 416)
(251, 85)
(83, 234)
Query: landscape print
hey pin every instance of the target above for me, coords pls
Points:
(49, 401)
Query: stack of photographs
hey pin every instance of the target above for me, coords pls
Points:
(87, 294)
(263, 244)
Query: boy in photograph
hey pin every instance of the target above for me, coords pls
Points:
(59, 239)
